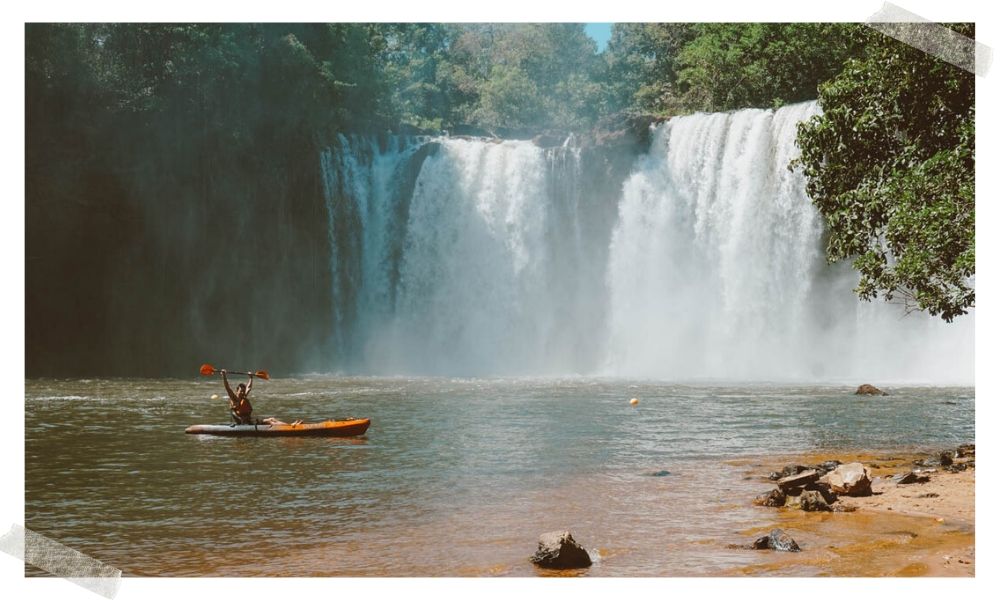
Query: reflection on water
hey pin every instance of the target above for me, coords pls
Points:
(455, 477)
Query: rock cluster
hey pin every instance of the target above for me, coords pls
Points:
(816, 487)
(953, 461)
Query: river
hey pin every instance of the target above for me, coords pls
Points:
(455, 477)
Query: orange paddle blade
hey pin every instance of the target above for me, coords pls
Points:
(207, 369)
(262, 375)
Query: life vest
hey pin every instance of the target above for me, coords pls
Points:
(243, 409)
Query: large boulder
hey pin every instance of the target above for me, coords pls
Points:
(776, 540)
(866, 389)
(558, 550)
(852, 479)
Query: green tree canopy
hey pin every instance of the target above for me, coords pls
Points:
(891, 166)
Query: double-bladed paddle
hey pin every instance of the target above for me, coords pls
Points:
(207, 369)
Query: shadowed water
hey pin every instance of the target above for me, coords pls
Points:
(455, 477)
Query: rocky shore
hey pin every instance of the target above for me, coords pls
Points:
(910, 514)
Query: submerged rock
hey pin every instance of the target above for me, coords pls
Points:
(662, 473)
(852, 479)
(866, 389)
(775, 497)
(776, 540)
(558, 550)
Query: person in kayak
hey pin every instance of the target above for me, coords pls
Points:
(239, 404)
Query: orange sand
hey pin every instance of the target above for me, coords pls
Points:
(901, 530)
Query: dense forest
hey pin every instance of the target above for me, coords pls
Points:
(198, 119)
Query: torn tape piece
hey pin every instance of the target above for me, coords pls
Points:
(62, 561)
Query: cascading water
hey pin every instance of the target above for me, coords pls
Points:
(472, 264)
(469, 257)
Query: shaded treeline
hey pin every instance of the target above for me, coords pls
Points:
(174, 208)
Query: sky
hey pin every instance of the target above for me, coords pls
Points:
(601, 32)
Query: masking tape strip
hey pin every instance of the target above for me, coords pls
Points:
(62, 561)
(932, 38)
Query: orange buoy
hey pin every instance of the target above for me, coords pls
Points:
(634, 401)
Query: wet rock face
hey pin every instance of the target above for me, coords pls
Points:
(558, 550)
(965, 450)
(866, 389)
(773, 498)
(776, 540)
(549, 139)
(813, 501)
(824, 490)
(852, 479)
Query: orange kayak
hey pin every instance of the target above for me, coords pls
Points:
(329, 428)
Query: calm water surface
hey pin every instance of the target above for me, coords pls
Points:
(455, 477)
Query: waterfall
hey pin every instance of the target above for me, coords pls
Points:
(475, 257)
(468, 264)
(717, 270)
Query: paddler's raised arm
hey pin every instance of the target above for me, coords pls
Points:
(249, 384)
(229, 390)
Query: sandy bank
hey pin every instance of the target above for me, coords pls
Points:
(914, 529)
